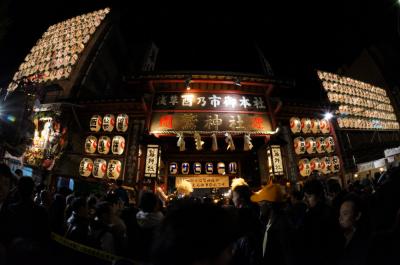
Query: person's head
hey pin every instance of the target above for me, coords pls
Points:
(148, 202)
(313, 193)
(115, 201)
(25, 188)
(184, 188)
(91, 201)
(18, 173)
(5, 181)
(104, 212)
(296, 196)
(270, 198)
(79, 207)
(334, 187)
(241, 195)
(350, 212)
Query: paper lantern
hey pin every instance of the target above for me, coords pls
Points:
(100, 168)
(122, 122)
(232, 167)
(197, 168)
(315, 126)
(173, 168)
(299, 145)
(90, 144)
(295, 125)
(315, 164)
(305, 125)
(335, 164)
(108, 122)
(86, 167)
(185, 168)
(324, 126)
(209, 168)
(311, 145)
(103, 146)
(304, 167)
(95, 123)
(320, 145)
(118, 145)
(325, 165)
(329, 144)
(221, 168)
(114, 169)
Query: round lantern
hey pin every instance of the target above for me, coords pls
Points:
(320, 144)
(100, 168)
(86, 167)
(325, 165)
(185, 168)
(299, 145)
(221, 168)
(95, 123)
(173, 168)
(90, 144)
(232, 167)
(324, 126)
(315, 164)
(315, 126)
(335, 164)
(108, 122)
(305, 125)
(329, 144)
(304, 167)
(118, 145)
(122, 122)
(209, 168)
(295, 125)
(197, 168)
(114, 169)
(311, 145)
(103, 146)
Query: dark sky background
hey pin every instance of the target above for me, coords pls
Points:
(295, 36)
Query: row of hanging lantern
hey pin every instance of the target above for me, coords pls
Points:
(247, 144)
(307, 125)
(104, 144)
(348, 90)
(100, 168)
(364, 112)
(357, 123)
(108, 122)
(197, 168)
(324, 165)
(313, 145)
(358, 101)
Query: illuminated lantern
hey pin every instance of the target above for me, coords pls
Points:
(197, 168)
(325, 165)
(335, 164)
(86, 167)
(315, 164)
(299, 145)
(329, 144)
(122, 122)
(103, 146)
(118, 145)
(304, 167)
(114, 169)
(320, 145)
(295, 125)
(90, 144)
(324, 126)
(232, 167)
(311, 145)
(209, 168)
(173, 168)
(95, 123)
(185, 168)
(221, 168)
(108, 122)
(100, 168)
(315, 126)
(305, 125)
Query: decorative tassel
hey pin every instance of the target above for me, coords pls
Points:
(181, 142)
(198, 141)
(247, 142)
(214, 145)
(229, 141)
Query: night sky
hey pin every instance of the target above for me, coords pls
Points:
(295, 36)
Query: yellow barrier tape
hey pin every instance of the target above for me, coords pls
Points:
(86, 249)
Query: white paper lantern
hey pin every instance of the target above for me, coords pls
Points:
(90, 144)
(86, 167)
(299, 145)
(209, 168)
(329, 144)
(335, 164)
(320, 145)
(233, 167)
(108, 122)
(122, 122)
(305, 125)
(315, 126)
(104, 144)
(173, 168)
(185, 168)
(324, 126)
(304, 167)
(114, 169)
(95, 123)
(325, 165)
(295, 125)
(197, 168)
(100, 168)
(311, 145)
(315, 164)
(118, 145)
(221, 168)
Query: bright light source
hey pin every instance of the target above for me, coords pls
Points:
(381, 169)
(356, 175)
(328, 116)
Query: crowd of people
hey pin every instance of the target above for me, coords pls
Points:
(321, 223)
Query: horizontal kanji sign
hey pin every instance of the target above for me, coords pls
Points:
(205, 181)
(209, 101)
(209, 122)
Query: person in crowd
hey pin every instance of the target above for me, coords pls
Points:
(194, 233)
(335, 195)
(276, 242)
(5, 186)
(184, 189)
(91, 202)
(78, 222)
(160, 192)
(296, 210)
(117, 225)
(68, 200)
(121, 192)
(57, 214)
